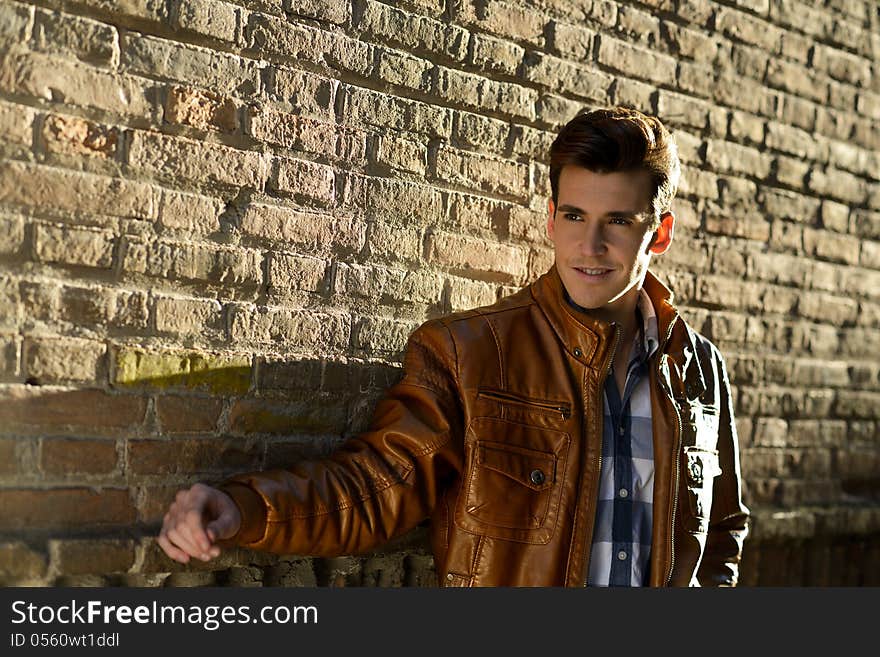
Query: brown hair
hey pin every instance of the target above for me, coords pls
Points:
(619, 139)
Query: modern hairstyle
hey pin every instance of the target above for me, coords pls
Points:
(619, 139)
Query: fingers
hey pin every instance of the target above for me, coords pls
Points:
(183, 533)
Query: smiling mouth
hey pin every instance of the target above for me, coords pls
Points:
(593, 273)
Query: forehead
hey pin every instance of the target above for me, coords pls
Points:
(605, 192)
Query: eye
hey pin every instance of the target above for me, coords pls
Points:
(621, 221)
(572, 217)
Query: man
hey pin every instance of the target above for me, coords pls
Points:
(577, 432)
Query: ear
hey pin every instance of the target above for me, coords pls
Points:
(551, 218)
(663, 235)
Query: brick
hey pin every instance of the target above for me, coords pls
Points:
(701, 184)
(183, 316)
(470, 256)
(792, 141)
(478, 212)
(64, 509)
(308, 135)
(506, 20)
(835, 216)
(741, 26)
(179, 414)
(267, 34)
(531, 142)
(81, 37)
(820, 373)
(482, 93)
(303, 180)
(381, 110)
(482, 173)
(417, 33)
(561, 75)
(861, 282)
(301, 329)
(223, 73)
(217, 373)
(72, 135)
(46, 187)
(796, 79)
(9, 456)
(750, 226)
(402, 154)
(293, 272)
(495, 56)
(261, 416)
(91, 556)
(213, 19)
(290, 378)
(731, 90)
(304, 93)
(821, 341)
(176, 159)
(53, 360)
(465, 294)
(16, 124)
(200, 109)
(790, 206)
(801, 16)
(832, 246)
(689, 43)
(858, 404)
(15, 24)
(866, 223)
(17, 559)
(791, 172)
(639, 25)
(632, 93)
(226, 266)
(56, 79)
(74, 246)
(745, 127)
(481, 133)
(842, 65)
(555, 110)
(77, 457)
(189, 212)
(770, 432)
(389, 286)
(636, 62)
(154, 11)
(729, 293)
(390, 242)
(834, 123)
(313, 232)
(382, 335)
(870, 256)
(393, 199)
(187, 456)
(11, 234)
(404, 70)
(780, 268)
(686, 111)
(728, 157)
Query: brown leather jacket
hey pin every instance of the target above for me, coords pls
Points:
(495, 434)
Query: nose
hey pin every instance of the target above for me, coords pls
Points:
(593, 240)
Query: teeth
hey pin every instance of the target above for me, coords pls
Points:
(593, 272)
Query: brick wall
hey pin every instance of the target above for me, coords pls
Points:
(219, 221)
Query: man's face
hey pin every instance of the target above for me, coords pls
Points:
(599, 229)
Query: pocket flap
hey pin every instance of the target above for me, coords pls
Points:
(529, 467)
(702, 465)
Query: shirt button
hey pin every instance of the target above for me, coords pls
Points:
(621, 555)
(450, 577)
(624, 492)
(621, 431)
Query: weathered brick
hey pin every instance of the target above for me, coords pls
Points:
(415, 32)
(17, 559)
(62, 457)
(555, 110)
(304, 93)
(261, 416)
(227, 266)
(780, 268)
(791, 172)
(749, 226)
(72, 135)
(314, 232)
(176, 159)
(16, 126)
(391, 242)
(223, 73)
(201, 109)
(506, 20)
(465, 294)
(15, 23)
(381, 110)
(495, 55)
(296, 329)
(689, 43)
(72, 245)
(639, 25)
(686, 111)
(635, 61)
(303, 180)
(94, 410)
(835, 216)
(632, 93)
(478, 212)
(46, 187)
(382, 335)
(561, 75)
(483, 173)
(56, 79)
(730, 89)
(179, 414)
(791, 140)
(402, 154)
(842, 65)
(394, 199)
(728, 157)
(404, 70)
(832, 246)
(215, 19)
(297, 41)
(470, 256)
(858, 404)
(183, 316)
(64, 509)
(870, 256)
(53, 360)
(310, 135)
(189, 212)
(91, 556)
(389, 286)
(783, 204)
(293, 272)
(770, 432)
(482, 133)
(866, 223)
(531, 142)
(482, 93)
(72, 35)
(11, 234)
(218, 373)
(743, 27)
(187, 456)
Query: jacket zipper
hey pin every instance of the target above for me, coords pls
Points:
(600, 411)
(508, 398)
(674, 491)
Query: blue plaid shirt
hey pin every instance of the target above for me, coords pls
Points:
(621, 550)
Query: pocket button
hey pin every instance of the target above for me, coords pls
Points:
(537, 477)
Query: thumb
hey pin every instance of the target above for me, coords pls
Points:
(225, 525)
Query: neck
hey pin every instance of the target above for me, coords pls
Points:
(621, 312)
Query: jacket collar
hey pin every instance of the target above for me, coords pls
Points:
(584, 337)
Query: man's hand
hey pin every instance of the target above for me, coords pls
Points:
(195, 520)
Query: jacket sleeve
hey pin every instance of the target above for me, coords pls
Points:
(377, 485)
(728, 522)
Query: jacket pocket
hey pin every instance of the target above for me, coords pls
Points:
(546, 406)
(513, 480)
(699, 424)
(701, 466)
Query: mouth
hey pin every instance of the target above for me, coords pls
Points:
(593, 274)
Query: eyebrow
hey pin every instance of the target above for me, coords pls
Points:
(613, 213)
